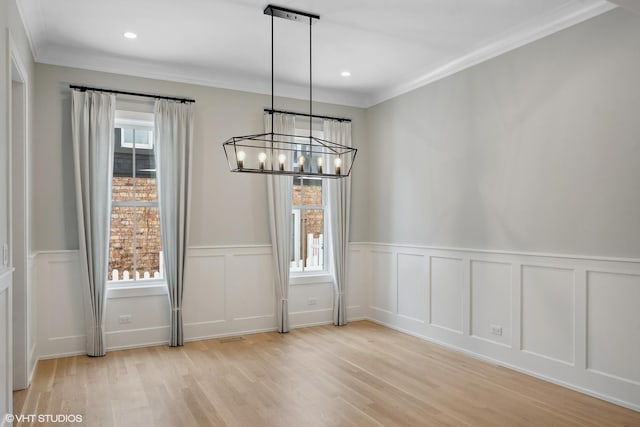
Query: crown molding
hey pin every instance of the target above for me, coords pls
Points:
(632, 5)
(557, 20)
(32, 10)
(560, 19)
(192, 75)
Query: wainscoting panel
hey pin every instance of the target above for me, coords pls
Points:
(613, 325)
(548, 312)
(491, 301)
(577, 317)
(250, 287)
(413, 279)
(204, 299)
(567, 319)
(148, 322)
(311, 304)
(228, 291)
(59, 298)
(358, 283)
(6, 370)
(447, 293)
(383, 283)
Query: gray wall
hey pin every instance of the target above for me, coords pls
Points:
(536, 150)
(4, 142)
(228, 209)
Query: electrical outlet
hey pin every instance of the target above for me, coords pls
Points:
(312, 301)
(496, 330)
(124, 319)
(5, 255)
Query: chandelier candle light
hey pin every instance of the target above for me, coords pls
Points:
(267, 153)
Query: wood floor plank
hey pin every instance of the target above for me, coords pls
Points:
(361, 374)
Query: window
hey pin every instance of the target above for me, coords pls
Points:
(308, 218)
(135, 247)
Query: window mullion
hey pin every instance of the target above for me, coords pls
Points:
(135, 211)
(303, 227)
(303, 236)
(137, 204)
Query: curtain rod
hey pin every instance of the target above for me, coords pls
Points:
(122, 92)
(340, 119)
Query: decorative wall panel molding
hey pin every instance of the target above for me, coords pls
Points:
(229, 291)
(571, 320)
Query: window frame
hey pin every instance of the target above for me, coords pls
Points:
(135, 127)
(135, 287)
(314, 276)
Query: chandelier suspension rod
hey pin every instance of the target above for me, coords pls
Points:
(310, 83)
(272, 130)
(272, 68)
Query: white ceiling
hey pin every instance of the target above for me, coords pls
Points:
(390, 47)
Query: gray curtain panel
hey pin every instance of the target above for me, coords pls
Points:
(92, 128)
(173, 147)
(339, 196)
(279, 194)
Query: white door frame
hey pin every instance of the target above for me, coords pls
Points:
(19, 213)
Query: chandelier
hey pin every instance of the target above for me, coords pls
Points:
(282, 154)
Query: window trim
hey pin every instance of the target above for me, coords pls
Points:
(326, 274)
(310, 278)
(133, 287)
(115, 291)
(122, 126)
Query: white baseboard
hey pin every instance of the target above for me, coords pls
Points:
(137, 338)
(230, 334)
(493, 361)
(554, 309)
(33, 362)
(308, 325)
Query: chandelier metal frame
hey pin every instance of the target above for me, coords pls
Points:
(276, 152)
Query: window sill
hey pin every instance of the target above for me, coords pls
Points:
(132, 291)
(308, 279)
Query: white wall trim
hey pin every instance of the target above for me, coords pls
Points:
(33, 356)
(311, 324)
(542, 26)
(230, 293)
(137, 338)
(232, 299)
(36, 14)
(225, 247)
(4, 273)
(547, 26)
(230, 334)
(547, 313)
(55, 252)
(134, 291)
(61, 355)
(516, 368)
(222, 79)
(496, 252)
(631, 5)
(266, 249)
(19, 200)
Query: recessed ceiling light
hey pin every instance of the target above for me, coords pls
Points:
(345, 73)
(130, 35)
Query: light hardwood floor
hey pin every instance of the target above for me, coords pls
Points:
(358, 375)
